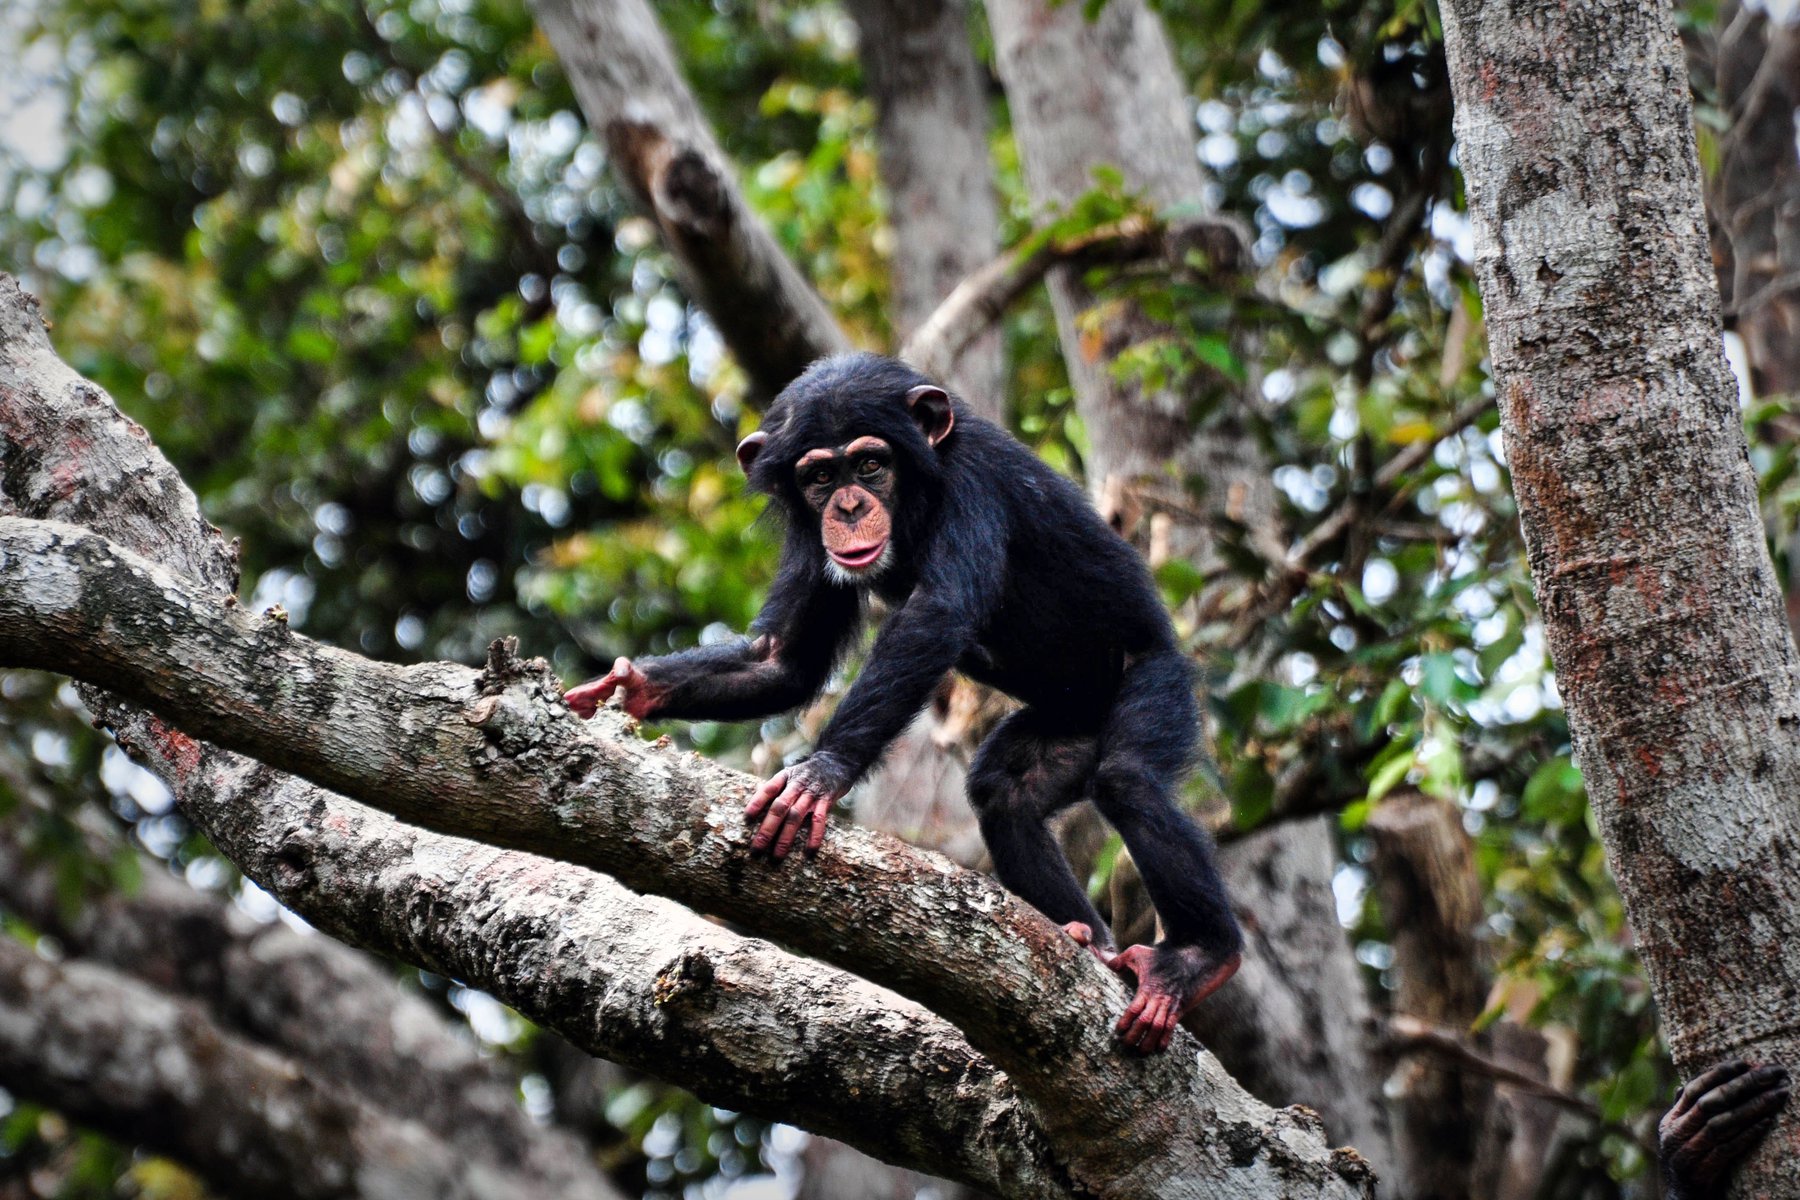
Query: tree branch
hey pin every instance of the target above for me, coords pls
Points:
(627, 81)
(983, 297)
(332, 1010)
(122, 1057)
(496, 755)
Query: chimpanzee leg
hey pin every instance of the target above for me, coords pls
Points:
(1146, 747)
(1022, 774)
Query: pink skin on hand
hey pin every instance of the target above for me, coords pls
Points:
(793, 800)
(640, 697)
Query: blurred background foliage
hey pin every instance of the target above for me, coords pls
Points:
(359, 269)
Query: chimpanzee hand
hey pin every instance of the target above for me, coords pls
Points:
(640, 694)
(1717, 1119)
(794, 799)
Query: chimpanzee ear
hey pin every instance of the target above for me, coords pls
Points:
(749, 448)
(930, 407)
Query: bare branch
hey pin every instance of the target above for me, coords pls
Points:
(1408, 1034)
(983, 297)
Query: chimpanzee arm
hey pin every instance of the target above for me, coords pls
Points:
(959, 588)
(783, 663)
(962, 574)
(1718, 1118)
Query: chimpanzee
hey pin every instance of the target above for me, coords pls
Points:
(1718, 1118)
(994, 565)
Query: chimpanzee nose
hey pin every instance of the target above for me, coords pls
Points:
(851, 505)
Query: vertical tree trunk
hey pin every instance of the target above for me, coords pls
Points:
(1294, 1025)
(931, 122)
(1756, 198)
(1431, 902)
(1639, 507)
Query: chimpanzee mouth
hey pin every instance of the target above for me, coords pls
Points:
(861, 558)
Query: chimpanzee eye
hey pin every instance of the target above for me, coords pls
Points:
(869, 467)
(822, 475)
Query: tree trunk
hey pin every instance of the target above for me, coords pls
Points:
(1431, 903)
(1756, 196)
(931, 124)
(1639, 508)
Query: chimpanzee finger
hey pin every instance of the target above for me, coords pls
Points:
(816, 838)
(1168, 1032)
(797, 818)
(1138, 1003)
(1738, 1091)
(771, 822)
(1707, 1081)
(1149, 1030)
(1747, 1112)
(1726, 1154)
(770, 789)
(1144, 1028)
(1153, 1028)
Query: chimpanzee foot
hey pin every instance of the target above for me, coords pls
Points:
(1084, 936)
(1171, 980)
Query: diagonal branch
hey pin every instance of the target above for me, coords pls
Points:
(983, 297)
(627, 81)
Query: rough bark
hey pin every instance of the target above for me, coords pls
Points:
(931, 128)
(122, 1057)
(1430, 900)
(1756, 195)
(332, 1011)
(495, 755)
(627, 81)
(1069, 119)
(1639, 507)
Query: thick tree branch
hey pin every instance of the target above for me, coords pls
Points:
(330, 1009)
(495, 754)
(627, 81)
(122, 1057)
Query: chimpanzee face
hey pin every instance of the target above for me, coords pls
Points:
(853, 489)
(842, 453)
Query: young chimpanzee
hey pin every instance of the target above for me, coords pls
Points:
(1718, 1118)
(996, 566)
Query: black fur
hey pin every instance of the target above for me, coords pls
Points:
(1004, 572)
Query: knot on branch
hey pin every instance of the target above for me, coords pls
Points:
(691, 194)
(688, 976)
(505, 667)
(1220, 244)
